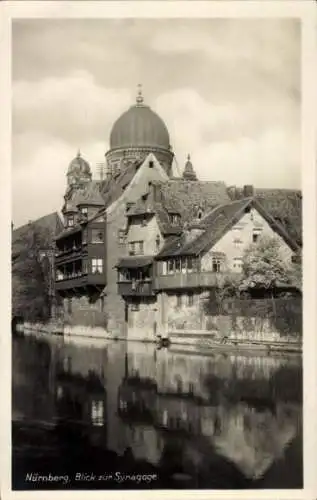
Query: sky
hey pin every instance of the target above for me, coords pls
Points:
(227, 89)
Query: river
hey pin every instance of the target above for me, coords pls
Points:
(93, 414)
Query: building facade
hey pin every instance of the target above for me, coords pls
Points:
(141, 247)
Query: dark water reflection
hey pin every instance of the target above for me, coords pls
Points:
(222, 420)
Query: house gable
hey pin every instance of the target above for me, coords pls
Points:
(240, 234)
(146, 230)
(150, 170)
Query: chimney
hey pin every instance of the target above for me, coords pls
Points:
(248, 191)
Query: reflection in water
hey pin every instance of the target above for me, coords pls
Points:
(186, 414)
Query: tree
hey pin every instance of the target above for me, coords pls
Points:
(31, 280)
(263, 266)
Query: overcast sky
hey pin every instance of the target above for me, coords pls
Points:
(228, 91)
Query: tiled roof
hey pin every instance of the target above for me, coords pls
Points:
(69, 231)
(91, 195)
(215, 225)
(112, 189)
(285, 205)
(187, 196)
(135, 262)
(153, 202)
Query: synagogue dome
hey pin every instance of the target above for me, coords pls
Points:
(139, 126)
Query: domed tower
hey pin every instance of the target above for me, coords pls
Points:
(189, 173)
(136, 133)
(78, 174)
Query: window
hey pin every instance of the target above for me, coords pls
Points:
(96, 236)
(85, 266)
(151, 164)
(200, 214)
(174, 218)
(216, 264)
(97, 266)
(189, 264)
(179, 384)
(157, 243)
(170, 266)
(70, 221)
(179, 300)
(85, 235)
(296, 259)
(136, 247)
(164, 268)
(256, 233)
(190, 299)
(121, 236)
(69, 305)
(84, 211)
(237, 241)
(97, 413)
(237, 263)
(132, 248)
(177, 266)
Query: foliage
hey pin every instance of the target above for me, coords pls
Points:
(263, 266)
(30, 278)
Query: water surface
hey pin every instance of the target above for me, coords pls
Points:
(100, 414)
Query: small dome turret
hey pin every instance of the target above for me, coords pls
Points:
(189, 173)
(78, 171)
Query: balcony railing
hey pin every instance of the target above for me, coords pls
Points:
(79, 279)
(70, 254)
(135, 288)
(202, 279)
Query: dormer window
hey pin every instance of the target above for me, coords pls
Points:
(175, 218)
(70, 221)
(84, 211)
(199, 214)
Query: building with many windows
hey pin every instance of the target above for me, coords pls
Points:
(141, 247)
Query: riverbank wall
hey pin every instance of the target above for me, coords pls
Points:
(199, 339)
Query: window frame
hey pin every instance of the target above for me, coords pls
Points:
(95, 266)
(190, 299)
(97, 231)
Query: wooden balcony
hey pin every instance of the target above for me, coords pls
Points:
(135, 289)
(70, 254)
(206, 279)
(97, 281)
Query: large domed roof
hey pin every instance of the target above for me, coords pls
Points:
(139, 126)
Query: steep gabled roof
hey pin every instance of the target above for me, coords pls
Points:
(153, 203)
(285, 205)
(216, 224)
(111, 189)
